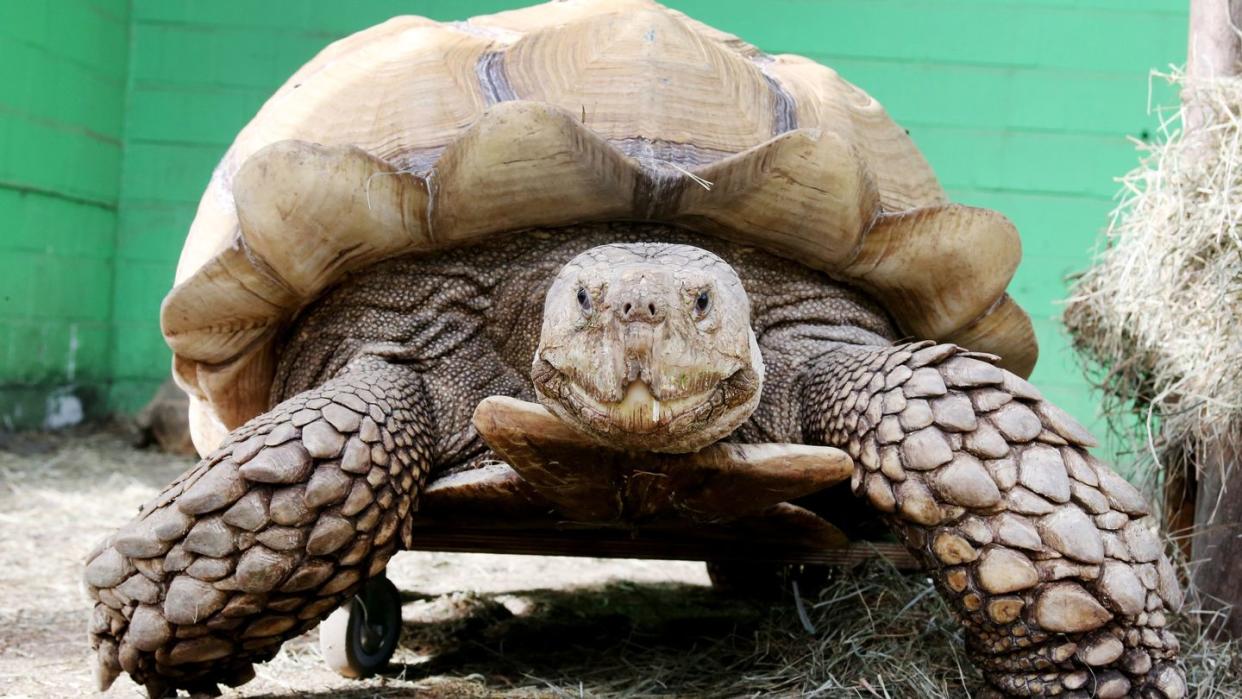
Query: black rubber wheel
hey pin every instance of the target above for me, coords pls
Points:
(359, 639)
(765, 580)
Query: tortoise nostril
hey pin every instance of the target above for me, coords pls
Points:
(640, 309)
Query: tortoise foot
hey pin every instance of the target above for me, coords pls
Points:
(263, 538)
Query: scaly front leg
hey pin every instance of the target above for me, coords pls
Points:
(265, 537)
(1045, 554)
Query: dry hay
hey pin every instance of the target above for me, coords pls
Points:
(1160, 313)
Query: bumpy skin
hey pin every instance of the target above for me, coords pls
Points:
(1045, 554)
(266, 536)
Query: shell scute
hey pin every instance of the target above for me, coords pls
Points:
(646, 77)
(824, 100)
(978, 245)
(410, 57)
(538, 166)
(807, 193)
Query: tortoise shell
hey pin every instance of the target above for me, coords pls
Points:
(414, 136)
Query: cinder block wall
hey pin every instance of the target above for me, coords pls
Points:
(1024, 106)
(62, 94)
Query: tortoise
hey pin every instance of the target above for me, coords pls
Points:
(596, 274)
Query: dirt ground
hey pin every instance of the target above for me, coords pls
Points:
(495, 626)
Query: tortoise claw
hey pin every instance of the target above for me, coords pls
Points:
(588, 482)
(107, 669)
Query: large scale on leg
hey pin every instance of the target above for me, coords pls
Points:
(373, 260)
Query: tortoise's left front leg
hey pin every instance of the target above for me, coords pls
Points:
(1045, 554)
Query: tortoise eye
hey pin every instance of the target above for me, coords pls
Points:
(584, 300)
(702, 303)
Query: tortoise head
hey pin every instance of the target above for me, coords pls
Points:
(648, 347)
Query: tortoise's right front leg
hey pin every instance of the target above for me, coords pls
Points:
(265, 537)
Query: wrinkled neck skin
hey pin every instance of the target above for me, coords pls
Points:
(470, 320)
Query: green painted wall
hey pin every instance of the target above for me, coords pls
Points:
(1024, 106)
(62, 94)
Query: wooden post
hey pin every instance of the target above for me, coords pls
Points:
(1212, 47)
(1216, 546)
(1214, 477)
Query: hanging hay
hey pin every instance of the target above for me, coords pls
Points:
(1159, 312)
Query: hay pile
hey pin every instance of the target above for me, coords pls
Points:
(1160, 313)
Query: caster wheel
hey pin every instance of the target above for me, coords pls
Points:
(761, 580)
(758, 580)
(358, 639)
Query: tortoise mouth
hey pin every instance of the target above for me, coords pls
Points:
(639, 411)
(642, 422)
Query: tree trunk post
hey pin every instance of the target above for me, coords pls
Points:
(1212, 482)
